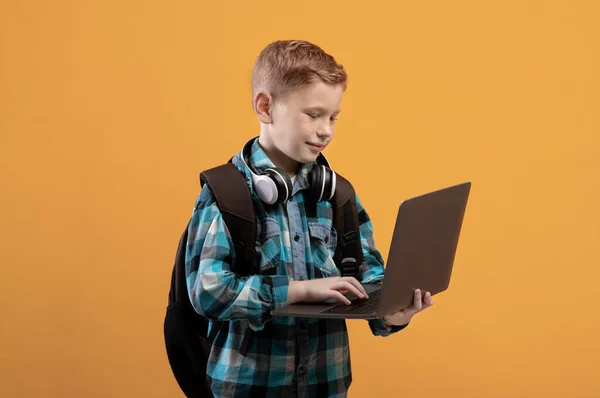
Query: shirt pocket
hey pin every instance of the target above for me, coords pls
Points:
(323, 241)
(269, 246)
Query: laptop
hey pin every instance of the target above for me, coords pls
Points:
(421, 256)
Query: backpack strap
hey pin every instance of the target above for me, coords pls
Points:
(237, 208)
(348, 255)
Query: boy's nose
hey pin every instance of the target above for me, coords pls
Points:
(325, 131)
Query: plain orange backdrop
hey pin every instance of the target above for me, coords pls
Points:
(110, 109)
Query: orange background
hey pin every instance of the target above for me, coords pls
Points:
(109, 110)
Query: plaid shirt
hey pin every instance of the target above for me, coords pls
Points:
(257, 354)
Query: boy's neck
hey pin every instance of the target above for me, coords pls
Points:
(279, 159)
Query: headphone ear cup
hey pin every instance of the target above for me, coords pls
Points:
(329, 183)
(315, 180)
(282, 182)
(322, 184)
(265, 188)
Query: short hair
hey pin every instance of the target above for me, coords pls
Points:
(286, 65)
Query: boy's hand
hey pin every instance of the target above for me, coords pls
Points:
(404, 316)
(325, 289)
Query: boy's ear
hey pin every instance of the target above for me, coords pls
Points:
(263, 103)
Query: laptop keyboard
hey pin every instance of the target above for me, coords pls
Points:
(358, 306)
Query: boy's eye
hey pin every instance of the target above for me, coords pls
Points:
(316, 116)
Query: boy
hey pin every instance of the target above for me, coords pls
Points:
(297, 92)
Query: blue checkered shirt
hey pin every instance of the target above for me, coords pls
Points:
(256, 354)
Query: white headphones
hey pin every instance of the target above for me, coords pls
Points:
(274, 186)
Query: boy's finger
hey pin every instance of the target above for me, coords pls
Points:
(358, 285)
(418, 301)
(347, 287)
(340, 297)
(428, 299)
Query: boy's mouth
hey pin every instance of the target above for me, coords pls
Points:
(317, 147)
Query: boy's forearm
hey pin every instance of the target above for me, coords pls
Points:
(230, 298)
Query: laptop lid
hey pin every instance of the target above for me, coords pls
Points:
(423, 246)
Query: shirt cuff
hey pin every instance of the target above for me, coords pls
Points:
(379, 328)
(280, 286)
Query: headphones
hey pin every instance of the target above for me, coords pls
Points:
(274, 186)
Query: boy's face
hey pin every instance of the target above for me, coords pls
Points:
(301, 124)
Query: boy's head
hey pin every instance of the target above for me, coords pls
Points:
(297, 93)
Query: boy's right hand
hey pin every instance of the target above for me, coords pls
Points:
(325, 289)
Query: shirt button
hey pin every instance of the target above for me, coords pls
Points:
(297, 237)
(301, 370)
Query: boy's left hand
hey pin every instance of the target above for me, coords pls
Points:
(404, 316)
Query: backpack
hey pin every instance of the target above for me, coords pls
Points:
(185, 331)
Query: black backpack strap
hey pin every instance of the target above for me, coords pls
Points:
(348, 255)
(237, 207)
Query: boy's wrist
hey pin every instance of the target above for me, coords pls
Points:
(390, 325)
(296, 292)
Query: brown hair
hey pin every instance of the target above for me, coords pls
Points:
(286, 65)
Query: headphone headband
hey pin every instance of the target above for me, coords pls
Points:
(321, 159)
(275, 186)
